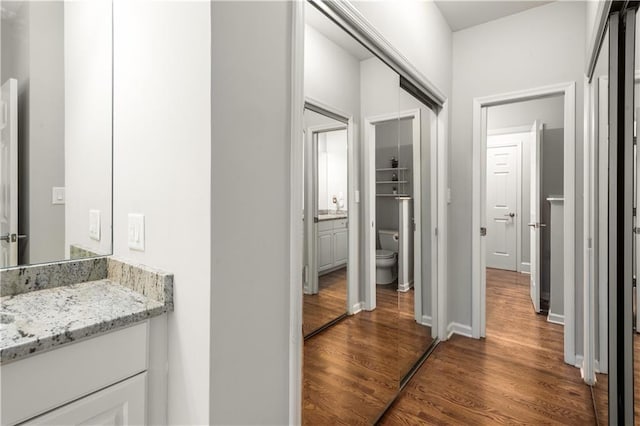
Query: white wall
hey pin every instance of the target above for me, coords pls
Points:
(419, 31)
(331, 74)
(87, 123)
(250, 219)
(162, 157)
(541, 46)
(549, 111)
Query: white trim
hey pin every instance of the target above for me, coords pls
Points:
(426, 320)
(439, 312)
(509, 130)
(525, 268)
(369, 249)
(357, 26)
(459, 329)
(602, 203)
(403, 288)
(479, 216)
(555, 318)
(597, 37)
(356, 308)
(295, 213)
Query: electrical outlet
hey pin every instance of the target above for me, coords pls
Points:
(135, 236)
(94, 224)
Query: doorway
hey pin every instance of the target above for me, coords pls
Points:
(535, 222)
(328, 177)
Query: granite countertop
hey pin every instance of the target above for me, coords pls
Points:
(330, 216)
(34, 319)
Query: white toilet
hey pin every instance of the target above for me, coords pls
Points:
(387, 257)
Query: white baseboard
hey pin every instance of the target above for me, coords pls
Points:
(405, 287)
(555, 318)
(460, 329)
(525, 268)
(426, 320)
(579, 362)
(356, 308)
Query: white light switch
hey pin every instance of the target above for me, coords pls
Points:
(57, 195)
(94, 224)
(136, 232)
(357, 196)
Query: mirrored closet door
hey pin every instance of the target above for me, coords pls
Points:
(356, 364)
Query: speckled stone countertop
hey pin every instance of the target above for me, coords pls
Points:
(37, 318)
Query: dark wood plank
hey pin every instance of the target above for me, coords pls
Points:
(330, 302)
(516, 375)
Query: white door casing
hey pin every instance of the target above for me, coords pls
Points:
(534, 215)
(636, 235)
(9, 174)
(502, 189)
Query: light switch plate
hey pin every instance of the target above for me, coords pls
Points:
(57, 195)
(94, 224)
(135, 236)
(357, 196)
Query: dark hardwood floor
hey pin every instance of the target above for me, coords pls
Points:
(353, 369)
(515, 376)
(328, 304)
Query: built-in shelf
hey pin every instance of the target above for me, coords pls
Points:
(392, 195)
(392, 181)
(390, 169)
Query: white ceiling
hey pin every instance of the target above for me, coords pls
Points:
(333, 32)
(465, 14)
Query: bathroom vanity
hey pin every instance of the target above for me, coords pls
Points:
(81, 342)
(332, 242)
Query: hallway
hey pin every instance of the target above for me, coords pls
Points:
(515, 375)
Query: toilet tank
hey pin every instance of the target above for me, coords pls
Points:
(388, 239)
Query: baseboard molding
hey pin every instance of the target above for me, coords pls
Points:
(459, 329)
(555, 318)
(525, 268)
(358, 307)
(579, 362)
(405, 287)
(426, 320)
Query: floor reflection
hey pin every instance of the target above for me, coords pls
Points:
(328, 304)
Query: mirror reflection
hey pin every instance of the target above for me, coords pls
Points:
(326, 173)
(56, 130)
(601, 311)
(369, 218)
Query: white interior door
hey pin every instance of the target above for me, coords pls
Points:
(534, 224)
(502, 195)
(9, 174)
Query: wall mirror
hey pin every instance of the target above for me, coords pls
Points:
(56, 128)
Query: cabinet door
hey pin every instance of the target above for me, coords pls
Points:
(340, 249)
(325, 251)
(118, 405)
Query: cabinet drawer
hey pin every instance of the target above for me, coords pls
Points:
(325, 225)
(43, 382)
(340, 224)
(120, 404)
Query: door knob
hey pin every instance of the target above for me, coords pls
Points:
(510, 214)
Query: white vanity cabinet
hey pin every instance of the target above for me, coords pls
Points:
(332, 244)
(101, 381)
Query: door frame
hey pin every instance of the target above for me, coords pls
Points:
(478, 244)
(519, 149)
(346, 122)
(369, 212)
